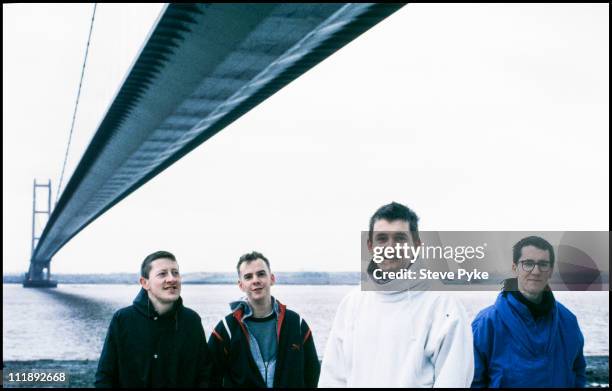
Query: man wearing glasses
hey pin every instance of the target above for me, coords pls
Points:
(527, 338)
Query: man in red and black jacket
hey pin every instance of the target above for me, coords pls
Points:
(261, 343)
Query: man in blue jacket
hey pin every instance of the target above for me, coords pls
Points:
(527, 338)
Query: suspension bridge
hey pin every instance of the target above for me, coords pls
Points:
(202, 67)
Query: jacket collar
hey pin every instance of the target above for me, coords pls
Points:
(520, 323)
(510, 286)
(146, 308)
(242, 308)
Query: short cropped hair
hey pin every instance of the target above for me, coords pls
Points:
(395, 211)
(535, 241)
(145, 268)
(250, 257)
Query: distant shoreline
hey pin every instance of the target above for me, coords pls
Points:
(283, 278)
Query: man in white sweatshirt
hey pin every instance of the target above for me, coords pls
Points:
(405, 337)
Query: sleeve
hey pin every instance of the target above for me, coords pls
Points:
(204, 361)
(579, 366)
(312, 367)
(333, 370)
(218, 350)
(453, 357)
(107, 374)
(481, 372)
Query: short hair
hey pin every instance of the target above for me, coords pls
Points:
(535, 241)
(250, 257)
(145, 268)
(395, 211)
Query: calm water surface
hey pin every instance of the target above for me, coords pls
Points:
(70, 322)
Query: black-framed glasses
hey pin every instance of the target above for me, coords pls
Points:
(528, 265)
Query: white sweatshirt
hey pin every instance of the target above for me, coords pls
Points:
(399, 339)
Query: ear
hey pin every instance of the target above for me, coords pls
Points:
(241, 286)
(272, 279)
(144, 283)
(514, 268)
(370, 249)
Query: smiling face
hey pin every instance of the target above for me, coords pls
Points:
(532, 283)
(255, 279)
(388, 234)
(164, 282)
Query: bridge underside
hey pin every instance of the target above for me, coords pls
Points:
(202, 67)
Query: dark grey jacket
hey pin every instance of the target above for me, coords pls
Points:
(297, 364)
(144, 349)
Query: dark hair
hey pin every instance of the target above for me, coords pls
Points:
(535, 241)
(145, 268)
(395, 211)
(250, 257)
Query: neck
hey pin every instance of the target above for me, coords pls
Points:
(535, 298)
(261, 308)
(160, 308)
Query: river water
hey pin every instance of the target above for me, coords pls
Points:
(70, 322)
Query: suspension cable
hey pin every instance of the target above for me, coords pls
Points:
(76, 105)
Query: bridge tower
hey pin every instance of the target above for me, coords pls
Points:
(39, 274)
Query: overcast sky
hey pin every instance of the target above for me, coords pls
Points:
(478, 117)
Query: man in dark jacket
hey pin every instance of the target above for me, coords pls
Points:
(156, 342)
(527, 338)
(262, 344)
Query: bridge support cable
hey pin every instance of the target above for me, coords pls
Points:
(76, 106)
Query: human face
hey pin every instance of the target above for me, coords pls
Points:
(387, 234)
(532, 283)
(256, 280)
(164, 282)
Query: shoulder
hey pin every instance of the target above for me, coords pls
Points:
(490, 319)
(353, 297)
(564, 311)
(489, 314)
(566, 316)
(124, 313)
(125, 317)
(350, 302)
(293, 319)
(486, 314)
(290, 314)
(190, 314)
(227, 324)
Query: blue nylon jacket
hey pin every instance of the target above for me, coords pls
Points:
(512, 349)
